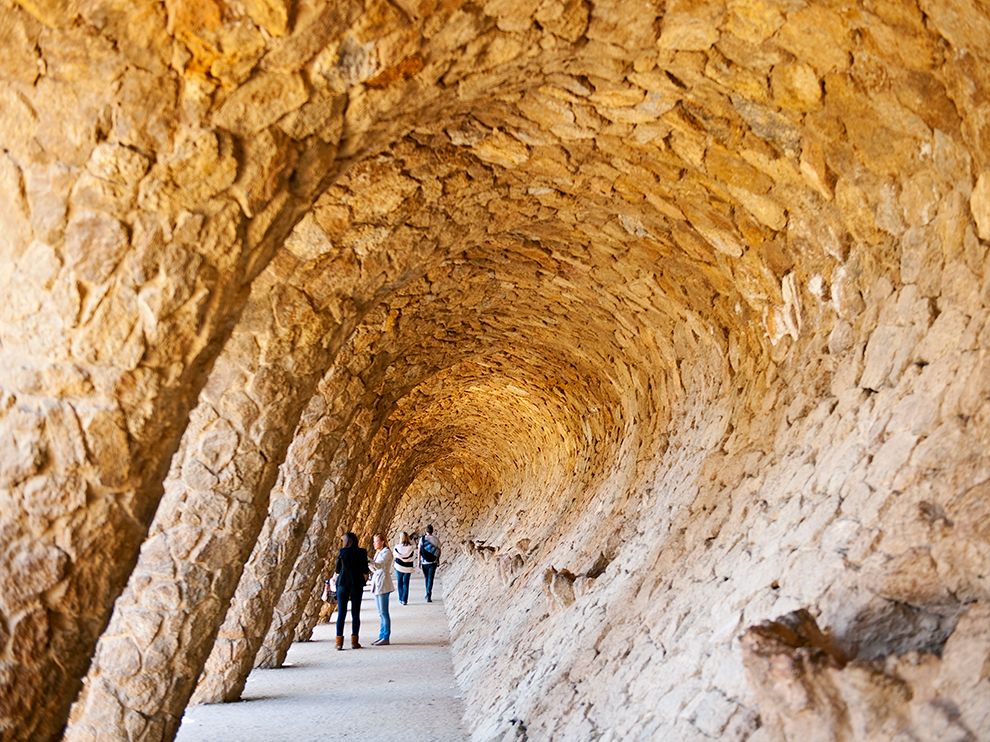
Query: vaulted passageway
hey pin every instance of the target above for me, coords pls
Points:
(671, 317)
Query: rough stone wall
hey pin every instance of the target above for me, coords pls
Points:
(674, 316)
(834, 462)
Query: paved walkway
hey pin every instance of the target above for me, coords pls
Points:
(405, 691)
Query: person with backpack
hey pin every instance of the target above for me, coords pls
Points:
(429, 558)
(352, 573)
(405, 558)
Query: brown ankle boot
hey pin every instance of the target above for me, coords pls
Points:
(340, 642)
(354, 642)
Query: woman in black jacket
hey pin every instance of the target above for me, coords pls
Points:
(352, 573)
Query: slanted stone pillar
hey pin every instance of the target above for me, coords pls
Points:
(290, 513)
(299, 585)
(311, 613)
(298, 610)
(314, 552)
(164, 624)
(319, 562)
(130, 232)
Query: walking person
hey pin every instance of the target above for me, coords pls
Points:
(352, 574)
(429, 558)
(405, 558)
(382, 587)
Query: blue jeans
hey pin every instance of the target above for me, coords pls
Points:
(429, 570)
(402, 579)
(345, 596)
(386, 628)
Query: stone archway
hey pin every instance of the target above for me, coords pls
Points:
(762, 228)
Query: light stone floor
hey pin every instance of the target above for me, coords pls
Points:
(405, 691)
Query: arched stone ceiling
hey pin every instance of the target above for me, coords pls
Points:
(670, 213)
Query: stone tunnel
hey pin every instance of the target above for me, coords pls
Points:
(672, 317)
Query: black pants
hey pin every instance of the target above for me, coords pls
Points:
(345, 596)
(429, 570)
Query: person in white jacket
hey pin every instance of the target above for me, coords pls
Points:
(382, 586)
(405, 562)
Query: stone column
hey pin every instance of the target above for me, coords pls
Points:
(305, 575)
(298, 609)
(317, 566)
(290, 514)
(311, 613)
(164, 624)
(298, 587)
(130, 231)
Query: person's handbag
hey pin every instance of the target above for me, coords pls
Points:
(328, 596)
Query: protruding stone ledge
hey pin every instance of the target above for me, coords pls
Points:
(808, 687)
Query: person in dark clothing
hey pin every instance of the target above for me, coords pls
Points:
(429, 559)
(352, 574)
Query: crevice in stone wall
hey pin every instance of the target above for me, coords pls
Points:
(893, 627)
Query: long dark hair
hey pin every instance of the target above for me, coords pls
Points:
(350, 539)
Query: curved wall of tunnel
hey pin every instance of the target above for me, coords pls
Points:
(673, 320)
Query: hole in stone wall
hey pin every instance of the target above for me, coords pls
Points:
(519, 732)
(934, 513)
(893, 627)
(599, 567)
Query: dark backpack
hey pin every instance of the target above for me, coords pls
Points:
(428, 550)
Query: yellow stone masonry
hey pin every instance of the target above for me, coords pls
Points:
(672, 317)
